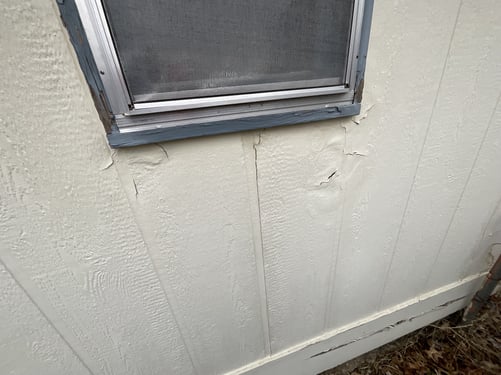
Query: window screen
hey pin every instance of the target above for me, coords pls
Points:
(175, 49)
(170, 69)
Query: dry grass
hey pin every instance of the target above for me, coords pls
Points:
(442, 348)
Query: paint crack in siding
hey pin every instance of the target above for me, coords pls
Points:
(135, 187)
(352, 153)
(254, 146)
(391, 326)
(108, 165)
(355, 153)
(110, 162)
(259, 137)
(265, 317)
(362, 117)
(329, 178)
(345, 138)
(164, 150)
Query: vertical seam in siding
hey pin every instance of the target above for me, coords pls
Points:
(428, 126)
(259, 253)
(46, 317)
(484, 138)
(196, 366)
(333, 266)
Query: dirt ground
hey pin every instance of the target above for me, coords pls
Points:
(445, 347)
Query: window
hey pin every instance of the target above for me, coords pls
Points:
(171, 69)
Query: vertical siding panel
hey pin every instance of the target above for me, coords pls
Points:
(193, 204)
(407, 54)
(300, 210)
(208, 254)
(68, 234)
(468, 94)
(465, 250)
(28, 343)
(250, 143)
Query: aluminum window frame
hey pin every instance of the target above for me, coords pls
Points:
(127, 121)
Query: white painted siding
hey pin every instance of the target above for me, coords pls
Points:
(208, 255)
(450, 154)
(29, 342)
(195, 217)
(408, 53)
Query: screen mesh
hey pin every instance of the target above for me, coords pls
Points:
(197, 48)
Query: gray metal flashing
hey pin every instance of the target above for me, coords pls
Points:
(364, 47)
(78, 38)
(117, 139)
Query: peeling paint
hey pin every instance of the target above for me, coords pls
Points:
(329, 178)
(208, 252)
(355, 153)
(358, 119)
(390, 327)
(135, 187)
(164, 150)
(108, 165)
(149, 156)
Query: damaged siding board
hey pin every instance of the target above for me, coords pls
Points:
(461, 126)
(263, 252)
(358, 337)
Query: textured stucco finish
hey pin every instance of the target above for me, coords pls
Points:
(205, 255)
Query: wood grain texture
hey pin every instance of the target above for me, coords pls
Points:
(403, 77)
(300, 198)
(460, 124)
(68, 233)
(29, 344)
(193, 203)
(206, 255)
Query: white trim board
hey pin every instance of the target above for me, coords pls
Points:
(340, 345)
